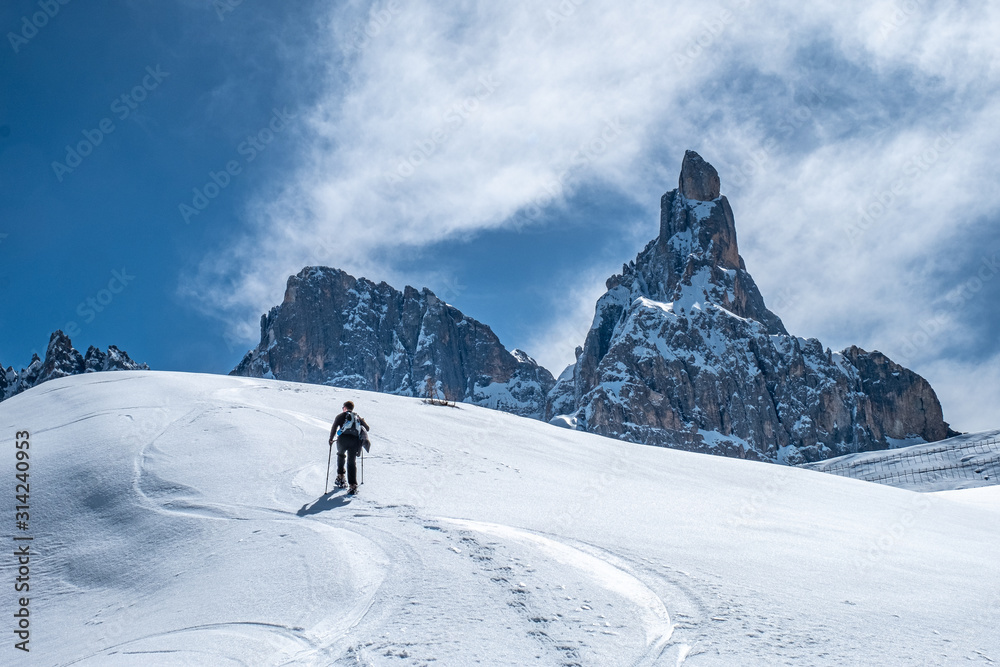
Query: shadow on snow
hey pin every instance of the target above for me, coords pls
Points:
(324, 503)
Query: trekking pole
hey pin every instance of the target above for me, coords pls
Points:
(329, 457)
(362, 465)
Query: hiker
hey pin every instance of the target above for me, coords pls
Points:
(349, 429)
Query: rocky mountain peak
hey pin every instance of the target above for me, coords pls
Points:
(332, 328)
(683, 352)
(695, 259)
(699, 180)
(61, 360)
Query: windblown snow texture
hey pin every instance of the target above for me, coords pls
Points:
(62, 359)
(684, 353)
(338, 330)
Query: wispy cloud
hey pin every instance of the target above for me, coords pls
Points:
(970, 391)
(553, 345)
(825, 122)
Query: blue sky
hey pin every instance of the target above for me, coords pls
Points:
(508, 157)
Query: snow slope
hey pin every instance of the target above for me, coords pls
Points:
(178, 521)
(965, 461)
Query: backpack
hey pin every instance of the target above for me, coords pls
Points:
(352, 425)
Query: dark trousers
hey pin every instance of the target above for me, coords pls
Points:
(348, 451)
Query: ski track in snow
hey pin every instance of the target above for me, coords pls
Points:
(656, 620)
(314, 645)
(337, 636)
(654, 617)
(301, 645)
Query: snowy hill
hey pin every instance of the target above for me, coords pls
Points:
(966, 461)
(177, 520)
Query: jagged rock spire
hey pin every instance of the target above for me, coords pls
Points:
(61, 360)
(697, 254)
(683, 352)
(699, 180)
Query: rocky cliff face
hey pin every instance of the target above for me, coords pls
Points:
(62, 359)
(684, 353)
(335, 329)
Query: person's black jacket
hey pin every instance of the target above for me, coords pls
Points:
(349, 441)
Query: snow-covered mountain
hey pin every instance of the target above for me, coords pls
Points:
(338, 330)
(684, 353)
(177, 520)
(62, 359)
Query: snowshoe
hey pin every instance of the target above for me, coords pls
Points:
(353, 491)
(340, 482)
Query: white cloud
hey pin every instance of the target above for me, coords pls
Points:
(455, 116)
(573, 312)
(969, 392)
